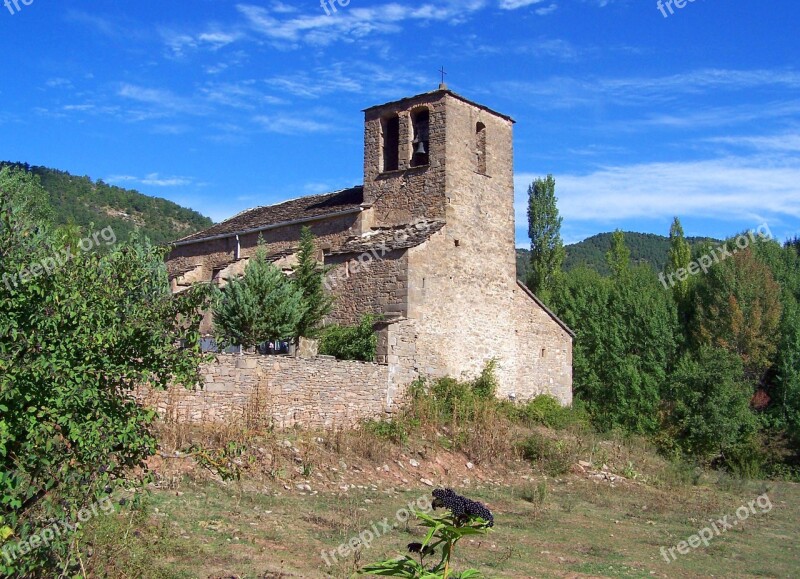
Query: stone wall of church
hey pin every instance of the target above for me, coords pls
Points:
(543, 352)
(216, 253)
(278, 391)
(368, 283)
(463, 293)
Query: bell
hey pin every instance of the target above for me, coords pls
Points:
(420, 149)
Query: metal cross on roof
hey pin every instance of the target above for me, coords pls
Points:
(443, 73)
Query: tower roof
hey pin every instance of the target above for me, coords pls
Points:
(437, 92)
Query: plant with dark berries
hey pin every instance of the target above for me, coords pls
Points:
(463, 517)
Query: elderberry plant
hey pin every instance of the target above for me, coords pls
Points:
(462, 517)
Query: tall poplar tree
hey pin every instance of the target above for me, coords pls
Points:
(544, 230)
(618, 257)
(680, 254)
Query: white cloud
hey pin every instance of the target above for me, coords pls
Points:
(291, 125)
(514, 4)
(152, 180)
(545, 10)
(566, 92)
(351, 21)
(727, 188)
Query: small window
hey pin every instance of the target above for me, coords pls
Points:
(544, 353)
(480, 148)
(420, 145)
(391, 143)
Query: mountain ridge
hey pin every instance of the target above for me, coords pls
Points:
(89, 203)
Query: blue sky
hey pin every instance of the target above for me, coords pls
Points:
(222, 105)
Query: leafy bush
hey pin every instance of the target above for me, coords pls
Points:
(350, 342)
(465, 518)
(263, 305)
(74, 343)
(393, 430)
(554, 457)
(548, 411)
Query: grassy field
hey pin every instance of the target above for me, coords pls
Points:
(241, 500)
(584, 523)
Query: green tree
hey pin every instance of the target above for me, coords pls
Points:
(74, 342)
(784, 387)
(25, 194)
(680, 255)
(707, 405)
(308, 276)
(618, 257)
(544, 230)
(262, 305)
(626, 339)
(350, 342)
(736, 306)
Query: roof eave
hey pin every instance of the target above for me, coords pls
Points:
(547, 310)
(269, 227)
(443, 91)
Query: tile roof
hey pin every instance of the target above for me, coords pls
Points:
(389, 238)
(304, 208)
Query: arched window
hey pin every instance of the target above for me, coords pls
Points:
(390, 127)
(480, 148)
(420, 145)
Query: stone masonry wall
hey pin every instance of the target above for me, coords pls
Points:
(543, 352)
(364, 284)
(409, 193)
(281, 390)
(463, 294)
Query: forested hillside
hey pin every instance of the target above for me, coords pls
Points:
(95, 204)
(646, 248)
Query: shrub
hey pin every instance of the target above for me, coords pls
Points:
(350, 342)
(554, 457)
(261, 306)
(392, 430)
(464, 518)
(548, 411)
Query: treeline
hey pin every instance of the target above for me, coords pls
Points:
(703, 356)
(646, 249)
(89, 205)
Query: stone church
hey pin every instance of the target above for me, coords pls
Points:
(427, 242)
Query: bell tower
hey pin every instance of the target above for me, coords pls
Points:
(404, 159)
(439, 156)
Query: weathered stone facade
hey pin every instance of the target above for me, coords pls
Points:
(281, 391)
(429, 245)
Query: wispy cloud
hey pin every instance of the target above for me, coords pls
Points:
(152, 180)
(788, 142)
(292, 124)
(179, 44)
(514, 4)
(568, 92)
(353, 22)
(733, 187)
